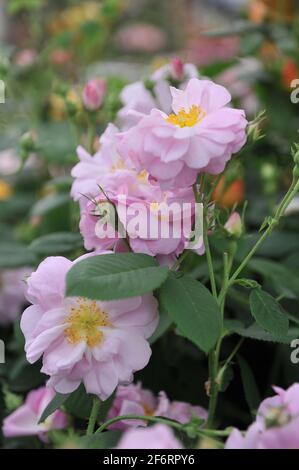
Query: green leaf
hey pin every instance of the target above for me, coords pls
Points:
(251, 391)
(56, 243)
(224, 377)
(164, 323)
(115, 276)
(54, 404)
(103, 440)
(50, 202)
(79, 403)
(14, 255)
(281, 277)
(193, 309)
(268, 313)
(247, 283)
(257, 333)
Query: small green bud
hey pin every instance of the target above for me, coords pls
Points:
(296, 158)
(61, 89)
(234, 226)
(28, 141)
(12, 401)
(254, 129)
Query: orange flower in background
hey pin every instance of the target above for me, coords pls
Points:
(227, 197)
(5, 190)
(274, 10)
(257, 11)
(281, 9)
(289, 72)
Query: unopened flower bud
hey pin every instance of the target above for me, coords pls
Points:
(268, 171)
(234, 225)
(28, 141)
(177, 68)
(295, 153)
(72, 102)
(93, 94)
(254, 129)
(12, 401)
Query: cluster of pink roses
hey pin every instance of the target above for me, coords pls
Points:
(129, 400)
(154, 159)
(153, 163)
(134, 400)
(276, 425)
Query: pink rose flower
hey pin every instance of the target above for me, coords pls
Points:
(158, 436)
(107, 169)
(158, 224)
(141, 37)
(12, 293)
(205, 50)
(178, 410)
(25, 420)
(100, 344)
(177, 68)
(137, 99)
(199, 137)
(276, 425)
(134, 400)
(93, 94)
(25, 58)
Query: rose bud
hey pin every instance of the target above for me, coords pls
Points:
(93, 94)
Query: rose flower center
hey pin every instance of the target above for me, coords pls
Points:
(187, 119)
(84, 323)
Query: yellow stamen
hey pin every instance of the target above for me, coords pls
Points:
(187, 119)
(119, 165)
(142, 176)
(158, 208)
(84, 322)
(148, 411)
(154, 206)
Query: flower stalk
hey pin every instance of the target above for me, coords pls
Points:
(228, 281)
(93, 416)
